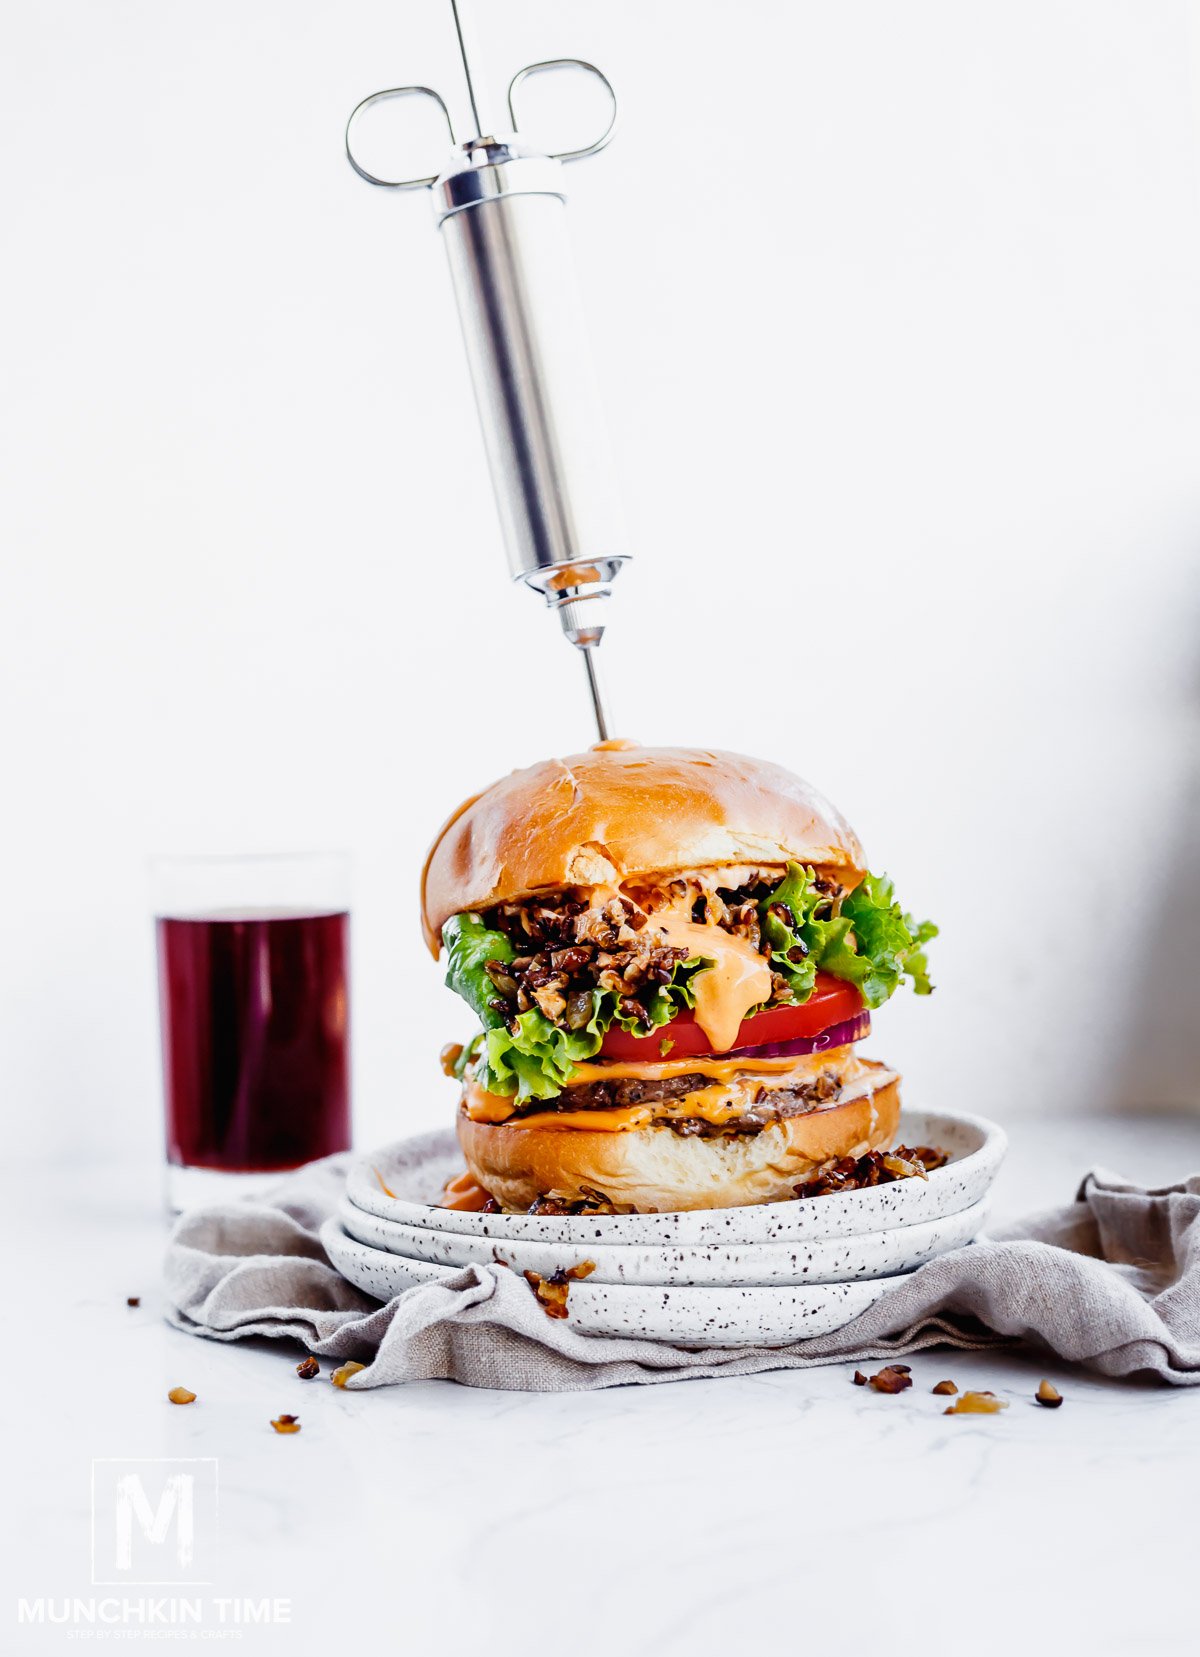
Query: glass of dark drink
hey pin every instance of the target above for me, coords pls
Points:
(253, 959)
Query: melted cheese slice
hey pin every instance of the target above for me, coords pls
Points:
(704, 1064)
(738, 979)
(616, 1119)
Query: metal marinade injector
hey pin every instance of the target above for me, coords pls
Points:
(501, 209)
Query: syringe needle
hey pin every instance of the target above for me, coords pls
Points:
(588, 651)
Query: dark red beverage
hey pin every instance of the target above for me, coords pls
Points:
(255, 1021)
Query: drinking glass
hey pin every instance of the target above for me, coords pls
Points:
(253, 956)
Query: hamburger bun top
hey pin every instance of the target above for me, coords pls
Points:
(619, 813)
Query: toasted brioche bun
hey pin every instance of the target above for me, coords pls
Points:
(654, 1169)
(620, 812)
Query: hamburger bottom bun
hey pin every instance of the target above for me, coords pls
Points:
(655, 1170)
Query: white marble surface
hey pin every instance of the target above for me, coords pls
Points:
(792, 1511)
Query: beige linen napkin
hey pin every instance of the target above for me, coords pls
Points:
(1111, 1280)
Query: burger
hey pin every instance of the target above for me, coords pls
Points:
(673, 956)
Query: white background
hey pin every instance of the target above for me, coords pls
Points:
(897, 318)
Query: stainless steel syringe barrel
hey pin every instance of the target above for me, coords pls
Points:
(501, 212)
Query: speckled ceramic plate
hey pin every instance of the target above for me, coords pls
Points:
(404, 1181)
(744, 1265)
(713, 1316)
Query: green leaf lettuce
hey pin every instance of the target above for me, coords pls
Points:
(536, 1059)
(867, 939)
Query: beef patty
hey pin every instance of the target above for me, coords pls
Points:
(770, 1104)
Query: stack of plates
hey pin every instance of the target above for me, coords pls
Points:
(709, 1277)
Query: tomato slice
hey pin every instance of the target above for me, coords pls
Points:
(832, 1001)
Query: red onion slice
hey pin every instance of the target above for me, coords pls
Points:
(838, 1035)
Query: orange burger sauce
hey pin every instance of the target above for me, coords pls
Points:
(462, 1192)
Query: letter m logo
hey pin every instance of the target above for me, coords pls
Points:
(154, 1522)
